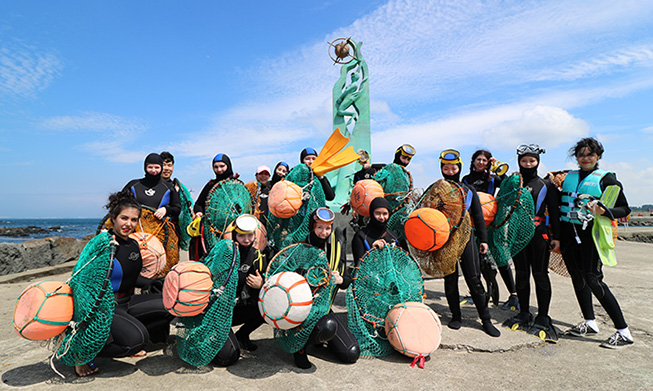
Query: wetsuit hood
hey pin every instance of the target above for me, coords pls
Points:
(305, 152)
(276, 177)
(152, 180)
(221, 157)
(455, 178)
(375, 229)
(528, 173)
(312, 238)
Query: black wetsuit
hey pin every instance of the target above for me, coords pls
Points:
(479, 182)
(137, 318)
(535, 256)
(373, 231)
(367, 173)
(156, 193)
(583, 261)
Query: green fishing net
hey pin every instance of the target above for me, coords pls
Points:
(164, 230)
(449, 198)
(202, 336)
(284, 232)
(397, 184)
(311, 263)
(513, 226)
(94, 304)
(227, 200)
(186, 214)
(385, 277)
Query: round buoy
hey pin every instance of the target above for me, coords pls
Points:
(187, 289)
(285, 300)
(285, 199)
(43, 310)
(363, 193)
(413, 329)
(427, 229)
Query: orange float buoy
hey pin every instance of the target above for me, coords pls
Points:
(489, 206)
(413, 329)
(187, 289)
(43, 310)
(285, 199)
(364, 192)
(427, 229)
(152, 252)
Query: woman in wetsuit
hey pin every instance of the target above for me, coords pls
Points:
(308, 156)
(375, 234)
(535, 256)
(153, 192)
(137, 319)
(330, 329)
(253, 264)
(482, 179)
(450, 165)
(577, 246)
(280, 172)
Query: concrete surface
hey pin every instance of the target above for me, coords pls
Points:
(467, 359)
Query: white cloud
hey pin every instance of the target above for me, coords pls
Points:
(637, 179)
(547, 126)
(95, 122)
(25, 69)
(648, 129)
(114, 151)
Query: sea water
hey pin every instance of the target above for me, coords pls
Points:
(76, 228)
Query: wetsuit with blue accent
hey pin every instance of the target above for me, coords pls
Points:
(155, 193)
(137, 318)
(579, 252)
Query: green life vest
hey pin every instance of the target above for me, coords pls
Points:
(571, 189)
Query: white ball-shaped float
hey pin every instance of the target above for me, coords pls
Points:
(285, 300)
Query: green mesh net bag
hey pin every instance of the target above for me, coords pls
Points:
(94, 304)
(449, 198)
(202, 336)
(164, 230)
(311, 263)
(186, 214)
(513, 226)
(284, 232)
(227, 200)
(385, 277)
(397, 185)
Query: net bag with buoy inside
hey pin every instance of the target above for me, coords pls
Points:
(414, 330)
(514, 225)
(427, 229)
(94, 304)
(312, 264)
(397, 184)
(152, 253)
(164, 230)
(200, 337)
(186, 214)
(449, 198)
(187, 289)
(285, 199)
(226, 200)
(384, 278)
(284, 232)
(362, 195)
(285, 300)
(43, 310)
(489, 207)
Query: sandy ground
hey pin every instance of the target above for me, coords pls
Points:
(467, 358)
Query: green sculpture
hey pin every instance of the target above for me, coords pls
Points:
(351, 112)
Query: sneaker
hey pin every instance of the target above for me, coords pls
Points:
(512, 304)
(582, 330)
(617, 341)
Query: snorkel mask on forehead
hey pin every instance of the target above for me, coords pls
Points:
(245, 224)
(530, 148)
(406, 150)
(450, 156)
(324, 215)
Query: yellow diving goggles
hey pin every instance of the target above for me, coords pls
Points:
(450, 156)
(406, 150)
(245, 224)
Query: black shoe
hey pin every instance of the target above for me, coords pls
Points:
(617, 341)
(301, 359)
(543, 329)
(454, 324)
(520, 322)
(582, 329)
(246, 343)
(490, 330)
(512, 304)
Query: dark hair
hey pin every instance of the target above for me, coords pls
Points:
(486, 172)
(167, 157)
(588, 142)
(121, 200)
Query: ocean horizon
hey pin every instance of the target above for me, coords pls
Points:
(69, 227)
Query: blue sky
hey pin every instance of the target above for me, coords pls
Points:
(88, 89)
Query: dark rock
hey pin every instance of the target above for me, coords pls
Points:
(31, 254)
(19, 232)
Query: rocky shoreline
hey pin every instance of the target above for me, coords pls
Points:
(21, 232)
(37, 253)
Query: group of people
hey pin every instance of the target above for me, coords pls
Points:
(558, 226)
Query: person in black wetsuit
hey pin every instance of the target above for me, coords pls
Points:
(253, 264)
(151, 191)
(221, 165)
(330, 329)
(482, 179)
(375, 233)
(259, 191)
(137, 319)
(535, 256)
(280, 172)
(450, 165)
(577, 246)
(308, 156)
